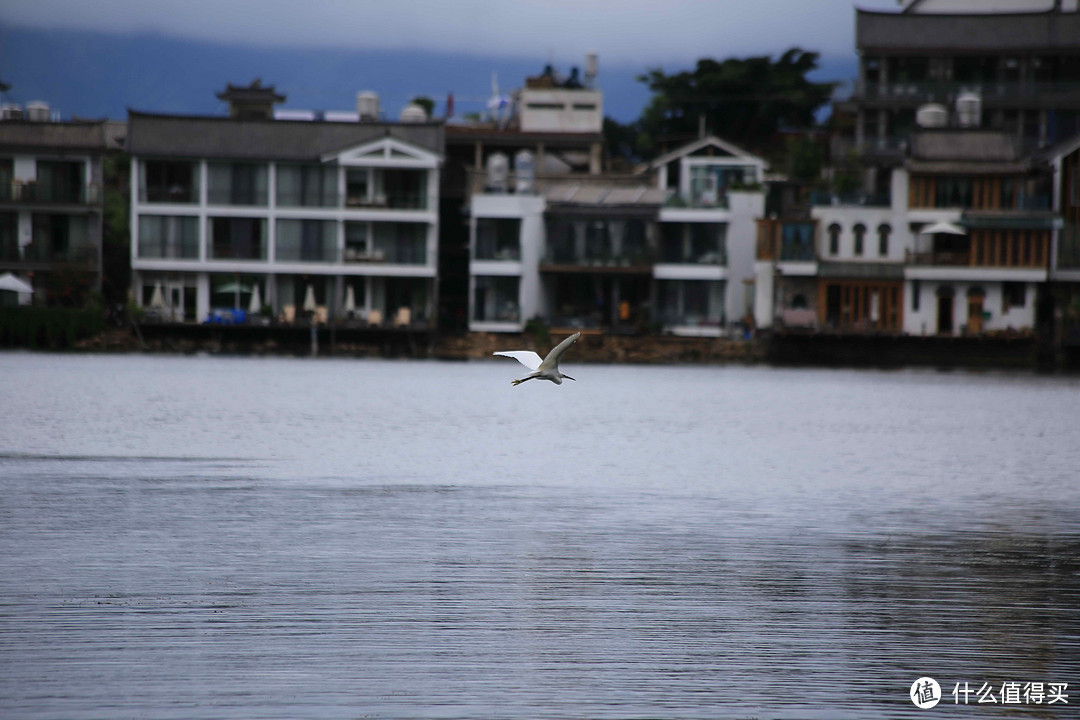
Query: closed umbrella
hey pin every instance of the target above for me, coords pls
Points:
(350, 300)
(309, 299)
(157, 300)
(10, 282)
(255, 306)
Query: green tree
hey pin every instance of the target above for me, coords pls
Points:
(425, 102)
(742, 100)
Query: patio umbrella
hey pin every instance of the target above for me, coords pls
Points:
(10, 282)
(943, 227)
(255, 306)
(233, 287)
(350, 300)
(309, 299)
(157, 300)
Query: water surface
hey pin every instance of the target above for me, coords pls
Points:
(231, 538)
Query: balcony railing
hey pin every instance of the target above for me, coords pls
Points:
(319, 200)
(946, 91)
(601, 261)
(389, 202)
(33, 192)
(701, 200)
(938, 258)
(184, 250)
(233, 197)
(185, 194)
(39, 253)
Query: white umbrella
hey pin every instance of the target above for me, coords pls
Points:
(10, 282)
(157, 300)
(233, 287)
(350, 300)
(943, 227)
(255, 306)
(309, 299)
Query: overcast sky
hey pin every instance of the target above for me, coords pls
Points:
(638, 32)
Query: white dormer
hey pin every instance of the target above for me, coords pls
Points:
(388, 152)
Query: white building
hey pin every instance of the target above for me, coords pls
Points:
(671, 252)
(959, 245)
(325, 219)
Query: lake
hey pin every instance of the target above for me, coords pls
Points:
(215, 537)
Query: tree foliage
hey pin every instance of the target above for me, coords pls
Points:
(745, 101)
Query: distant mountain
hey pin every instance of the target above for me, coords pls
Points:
(94, 75)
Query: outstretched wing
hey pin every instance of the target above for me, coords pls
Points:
(552, 358)
(526, 357)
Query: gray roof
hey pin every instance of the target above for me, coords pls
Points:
(288, 140)
(82, 136)
(991, 32)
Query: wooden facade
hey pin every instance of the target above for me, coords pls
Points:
(977, 192)
(845, 304)
(1009, 248)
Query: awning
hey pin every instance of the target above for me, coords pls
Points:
(943, 227)
(10, 282)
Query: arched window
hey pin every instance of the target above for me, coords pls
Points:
(834, 239)
(860, 238)
(883, 232)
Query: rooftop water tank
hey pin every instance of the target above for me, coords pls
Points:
(413, 113)
(524, 172)
(969, 109)
(11, 111)
(498, 172)
(932, 116)
(367, 106)
(37, 111)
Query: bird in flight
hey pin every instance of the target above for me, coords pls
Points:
(546, 369)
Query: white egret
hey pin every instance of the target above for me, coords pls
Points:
(546, 369)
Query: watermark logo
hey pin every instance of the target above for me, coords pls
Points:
(925, 693)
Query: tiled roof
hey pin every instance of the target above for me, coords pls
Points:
(289, 140)
(26, 135)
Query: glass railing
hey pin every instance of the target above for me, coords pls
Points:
(185, 250)
(297, 199)
(233, 197)
(388, 202)
(185, 194)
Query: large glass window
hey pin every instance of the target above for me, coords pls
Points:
(237, 238)
(797, 241)
(398, 242)
(403, 189)
(306, 240)
(498, 239)
(237, 184)
(692, 303)
(495, 299)
(60, 238)
(60, 181)
(168, 236)
(169, 181)
(704, 243)
(307, 185)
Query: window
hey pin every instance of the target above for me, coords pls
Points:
(306, 186)
(172, 182)
(401, 242)
(60, 238)
(498, 239)
(357, 187)
(916, 289)
(860, 237)
(236, 184)
(237, 238)
(164, 236)
(834, 239)
(495, 299)
(306, 240)
(59, 181)
(1013, 295)
(883, 232)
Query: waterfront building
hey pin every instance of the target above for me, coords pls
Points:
(52, 201)
(285, 214)
(961, 244)
(667, 249)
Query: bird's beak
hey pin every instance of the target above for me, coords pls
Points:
(567, 377)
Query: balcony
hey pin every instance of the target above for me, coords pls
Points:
(634, 262)
(37, 252)
(399, 201)
(711, 201)
(181, 194)
(948, 258)
(917, 93)
(44, 194)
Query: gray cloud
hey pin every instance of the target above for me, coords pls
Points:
(621, 31)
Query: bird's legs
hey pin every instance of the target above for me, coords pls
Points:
(518, 382)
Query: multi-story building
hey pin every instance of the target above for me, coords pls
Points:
(52, 202)
(668, 250)
(1020, 58)
(322, 218)
(959, 245)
